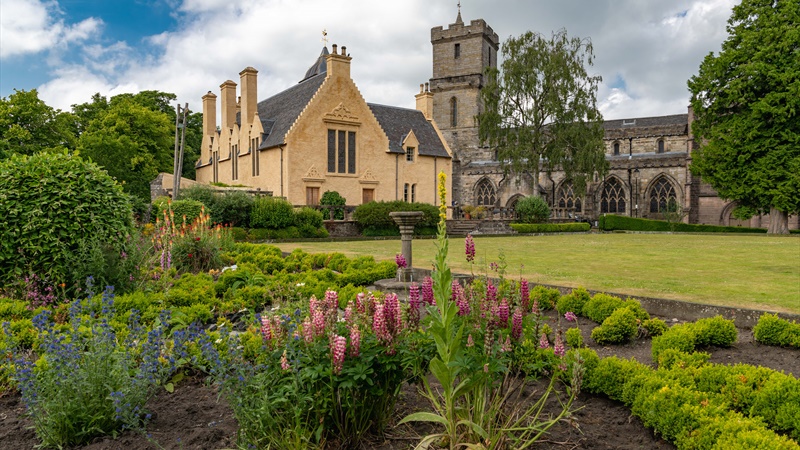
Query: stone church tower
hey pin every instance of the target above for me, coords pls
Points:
(461, 53)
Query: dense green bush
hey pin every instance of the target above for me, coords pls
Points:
(654, 327)
(574, 301)
(618, 328)
(308, 217)
(546, 297)
(678, 337)
(232, 208)
(374, 216)
(333, 198)
(199, 192)
(61, 216)
(532, 209)
(574, 338)
(600, 306)
(610, 222)
(272, 213)
(187, 210)
(773, 330)
(716, 331)
(572, 227)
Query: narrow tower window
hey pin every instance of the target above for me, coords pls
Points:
(457, 51)
(453, 112)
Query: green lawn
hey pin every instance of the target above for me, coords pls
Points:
(756, 271)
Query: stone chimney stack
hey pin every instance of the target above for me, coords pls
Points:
(228, 99)
(209, 114)
(249, 100)
(338, 63)
(425, 101)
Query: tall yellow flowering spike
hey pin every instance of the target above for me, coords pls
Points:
(442, 196)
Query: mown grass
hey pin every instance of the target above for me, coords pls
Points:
(756, 271)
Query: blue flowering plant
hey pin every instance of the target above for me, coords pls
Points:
(89, 379)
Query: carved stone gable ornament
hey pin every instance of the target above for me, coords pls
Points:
(312, 174)
(341, 114)
(368, 178)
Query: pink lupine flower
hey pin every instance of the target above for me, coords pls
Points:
(469, 248)
(360, 303)
(285, 362)
(503, 311)
(544, 342)
(506, 346)
(524, 294)
(393, 313)
(308, 330)
(348, 313)
(400, 260)
(470, 341)
(516, 324)
(413, 305)
(318, 323)
(491, 292)
(558, 347)
(338, 348)
(427, 291)
(267, 333)
(461, 299)
(570, 316)
(379, 324)
(535, 309)
(355, 341)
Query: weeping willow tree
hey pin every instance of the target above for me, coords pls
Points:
(540, 108)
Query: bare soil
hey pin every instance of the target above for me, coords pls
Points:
(193, 417)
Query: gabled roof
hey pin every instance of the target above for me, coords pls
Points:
(398, 122)
(660, 121)
(280, 111)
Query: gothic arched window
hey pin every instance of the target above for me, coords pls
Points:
(453, 112)
(612, 200)
(567, 199)
(660, 146)
(616, 148)
(484, 193)
(662, 196)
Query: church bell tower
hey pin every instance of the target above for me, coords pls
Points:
(461, 53)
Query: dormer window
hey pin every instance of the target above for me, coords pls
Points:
(410, 154)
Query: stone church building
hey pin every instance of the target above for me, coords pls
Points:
(321, 135)
(648, 157)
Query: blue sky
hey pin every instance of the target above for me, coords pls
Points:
(70, 49)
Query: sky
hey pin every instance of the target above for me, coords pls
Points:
(645, 50)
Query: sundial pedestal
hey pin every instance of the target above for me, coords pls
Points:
(406, 220)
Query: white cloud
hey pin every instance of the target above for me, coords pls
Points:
(31, 26)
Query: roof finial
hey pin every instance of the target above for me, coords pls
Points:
(458, 19)
(324, 38)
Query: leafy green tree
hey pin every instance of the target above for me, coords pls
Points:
(29, 125)
(541, 108)
(746, 102)
(132, 142)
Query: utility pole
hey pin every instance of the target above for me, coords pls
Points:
(180, 139)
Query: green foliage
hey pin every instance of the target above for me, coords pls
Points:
(716, 331)
(131, 142)
(678, 337)
(186, 211)
(611, 222)
(54, 207)
(550, 227)
(28, 125)
(745, 105)
(619, 328)
(546, 297)
(601, 306)
(308, 218)
(532, 209)
(540, 105)
(232, 208)
(654, 327)
(574, 301)
(574, 338)
(199, 192)
(375, 215)
(333, 198)
(773, 330)
(272, 213)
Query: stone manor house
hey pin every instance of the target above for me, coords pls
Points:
(322, 135)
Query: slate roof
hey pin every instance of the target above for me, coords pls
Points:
(279, 112)
(660, 121)
(397, 122)
(320, 66)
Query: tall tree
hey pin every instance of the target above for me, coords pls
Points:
(746, 102)
(29, 125)
(540, 109)
(132, 142)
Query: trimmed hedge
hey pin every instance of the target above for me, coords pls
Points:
(710, 331)
(610, 222)
(572, 227)
(574, 301)
(374, 220)
(773, 330)
(618, 328)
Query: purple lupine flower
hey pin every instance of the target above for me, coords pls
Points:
(413, 305)
(355, 341)
(469, 248)
(570, 316)
(470, 341)
(427, 291)
(461, 299)
(338, 347)
(558, 347)
(400, 260)
(524, 294)
(503, 311)
(516, 324)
